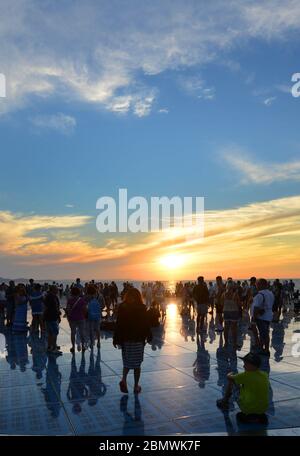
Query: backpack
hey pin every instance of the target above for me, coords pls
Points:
(94, 311)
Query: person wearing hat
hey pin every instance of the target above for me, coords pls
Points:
(254, 391)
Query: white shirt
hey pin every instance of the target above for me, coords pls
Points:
(266, 304)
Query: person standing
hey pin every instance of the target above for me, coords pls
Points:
(263, 314)
(231, 308)
(2, 301)
(10, 303)
(76, 313)
(20, 315)
(94, 315)
(211, 292)
(201, 296)
(52, 319)
(131, 333)
(219, 290)
(37, 305)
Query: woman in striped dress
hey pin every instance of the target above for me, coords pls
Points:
(131, 332)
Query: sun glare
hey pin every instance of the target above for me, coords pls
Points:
(172, 261)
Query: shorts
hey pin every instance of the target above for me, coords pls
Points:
(94, 325)
(52, 328)
(231, 315)
(202, 309)
(263, 327)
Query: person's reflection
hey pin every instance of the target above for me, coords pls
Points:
(77, 392)
(211, 330)
(226, 363)
(133, 424)
(277, 341)
(243, 329)
(21, 350)
(52, 392)
(201, 365)
(11, 356)
(184, 327)
(94, 379)
(265, 366)
(191, 328)
(39, 355)
(158, 336)
(228, 423)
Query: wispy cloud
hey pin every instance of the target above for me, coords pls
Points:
(70, 52)
(163, 111)
(60, 122)
(139, 104)
(269, 101)
(197, 87)
(258, 172)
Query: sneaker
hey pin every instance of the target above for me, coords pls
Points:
(252, 419)
(123, 387)
(137, 389)
(222, 404)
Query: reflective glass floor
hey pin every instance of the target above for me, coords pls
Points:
(181, 380)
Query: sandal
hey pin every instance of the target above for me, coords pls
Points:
(137, 389)
(123, 387)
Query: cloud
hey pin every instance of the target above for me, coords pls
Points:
(269, 101)
(60, 122)
(101, 53)
(258, 238)
(260, 172)
(139, 104)
(163, 111)
(284, 88)
(197, 87)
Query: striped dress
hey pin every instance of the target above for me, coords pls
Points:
(132, 354)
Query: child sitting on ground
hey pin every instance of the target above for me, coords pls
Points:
(254, 391)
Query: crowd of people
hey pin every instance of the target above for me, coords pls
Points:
(133, 315)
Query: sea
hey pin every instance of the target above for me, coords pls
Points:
(168, 284)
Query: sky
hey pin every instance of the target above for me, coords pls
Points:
(172, 98)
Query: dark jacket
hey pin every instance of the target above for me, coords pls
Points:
(200, 293)
(132, 324)
(51, 310)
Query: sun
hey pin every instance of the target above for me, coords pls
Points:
(172, 261)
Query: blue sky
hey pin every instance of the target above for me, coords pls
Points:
(105, 95)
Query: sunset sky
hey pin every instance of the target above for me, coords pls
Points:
(164, 98)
